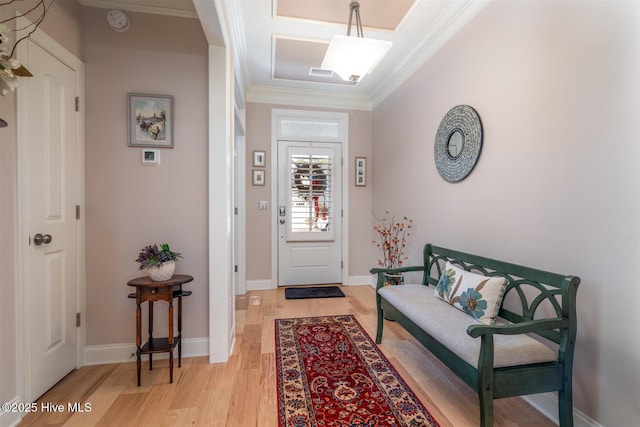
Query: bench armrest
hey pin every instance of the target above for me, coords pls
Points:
(520, 328)
(397, 270)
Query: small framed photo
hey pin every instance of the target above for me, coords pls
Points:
(259, 159)
(150, 120)
(258, 177)
(361, 171)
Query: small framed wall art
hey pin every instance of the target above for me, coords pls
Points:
(258, 177)
(259, 159)
(361, 171)
(150, 120)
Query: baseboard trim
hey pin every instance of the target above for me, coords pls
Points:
(121, 353)
(361, 280)
(259, 285)
(547, 404)
(11, 419)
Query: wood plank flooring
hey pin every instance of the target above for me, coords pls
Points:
(242, 392)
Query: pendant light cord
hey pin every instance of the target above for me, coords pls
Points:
(354, 6)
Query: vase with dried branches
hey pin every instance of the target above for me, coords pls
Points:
(392, 239)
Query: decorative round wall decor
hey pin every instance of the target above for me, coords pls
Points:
(458, 143)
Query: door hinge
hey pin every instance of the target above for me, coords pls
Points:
(342, 265)
(235, 269)
(77, 103)
(77, 211)
(235, 211)
(77, 320)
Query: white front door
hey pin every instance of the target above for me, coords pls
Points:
(309, 213)
(50, 195)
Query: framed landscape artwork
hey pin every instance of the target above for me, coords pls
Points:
(150, 120)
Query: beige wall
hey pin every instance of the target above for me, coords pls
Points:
(129, 205)
(62, 24)
(258, 137)
(557, 186)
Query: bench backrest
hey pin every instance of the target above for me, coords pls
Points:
(533, 288)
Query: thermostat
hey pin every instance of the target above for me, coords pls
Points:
(150, 156)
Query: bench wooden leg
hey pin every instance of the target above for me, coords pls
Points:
(565, 405)
(380, 321)
(380, 326)
(486, 408)
(485, 381)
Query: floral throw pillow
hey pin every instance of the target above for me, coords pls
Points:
(477, 295)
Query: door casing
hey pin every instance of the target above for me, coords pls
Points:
(341, 135)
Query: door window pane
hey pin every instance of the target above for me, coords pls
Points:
(311, 195)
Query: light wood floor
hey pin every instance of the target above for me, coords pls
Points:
(242, 392)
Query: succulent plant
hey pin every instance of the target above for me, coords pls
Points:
(156, 255)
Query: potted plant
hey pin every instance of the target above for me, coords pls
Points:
(392, 239)
(158, 261)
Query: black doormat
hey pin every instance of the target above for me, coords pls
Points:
(313, 292)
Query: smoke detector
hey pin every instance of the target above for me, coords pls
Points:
(118, 21)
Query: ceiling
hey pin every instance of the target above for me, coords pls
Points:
(278, 42)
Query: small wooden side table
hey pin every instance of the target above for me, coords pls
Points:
(148, 290)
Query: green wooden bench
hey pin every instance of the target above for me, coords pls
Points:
(535, 302)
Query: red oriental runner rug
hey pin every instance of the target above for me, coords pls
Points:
(330, 373)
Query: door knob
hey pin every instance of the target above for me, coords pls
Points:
(39, 239)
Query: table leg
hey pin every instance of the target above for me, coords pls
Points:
(180, 331)
(171, 340)
(151, 334)
(138, 339)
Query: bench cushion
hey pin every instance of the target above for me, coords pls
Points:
(449, 327)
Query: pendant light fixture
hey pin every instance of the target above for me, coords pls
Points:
(351, 57)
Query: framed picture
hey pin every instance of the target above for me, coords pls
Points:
(361, 171)
(258, 177)
(259, 159)
(150, 120)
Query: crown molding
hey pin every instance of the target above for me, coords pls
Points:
(307, 98)
(109, 4)
(451, 21)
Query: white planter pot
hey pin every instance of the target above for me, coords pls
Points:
(163, 272)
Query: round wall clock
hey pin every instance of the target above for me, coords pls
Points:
(458, 143)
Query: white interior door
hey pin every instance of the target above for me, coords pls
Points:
(50, 195)
(309, 213)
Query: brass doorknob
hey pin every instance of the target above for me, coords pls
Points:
(39, 239)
